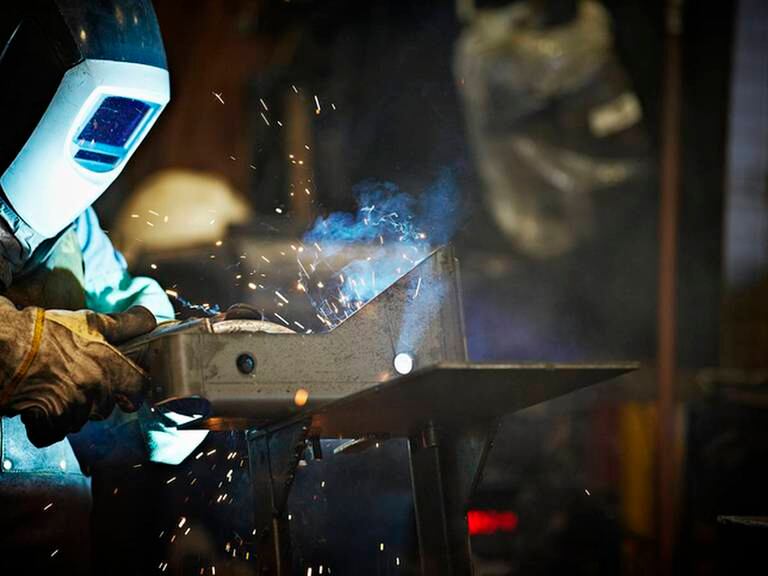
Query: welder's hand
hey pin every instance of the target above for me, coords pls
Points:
(59, 368)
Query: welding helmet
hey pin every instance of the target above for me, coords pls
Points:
(83, 81)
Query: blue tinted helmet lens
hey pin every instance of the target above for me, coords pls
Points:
(115, 121)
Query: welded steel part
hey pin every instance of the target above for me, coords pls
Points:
(251, 373)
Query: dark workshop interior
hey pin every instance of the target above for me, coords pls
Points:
(599, 170)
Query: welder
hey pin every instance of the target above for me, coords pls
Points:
(82, 84)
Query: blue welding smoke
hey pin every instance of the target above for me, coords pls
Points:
(391, 230)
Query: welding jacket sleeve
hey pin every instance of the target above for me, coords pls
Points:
(108, 285)
(110, 288)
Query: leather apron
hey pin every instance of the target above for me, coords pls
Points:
(45, 500)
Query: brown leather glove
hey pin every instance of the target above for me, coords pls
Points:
(59, 368)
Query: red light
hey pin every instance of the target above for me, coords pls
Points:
(482, 522)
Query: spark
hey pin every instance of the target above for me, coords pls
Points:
(279, 210)
(54, 552)
(153, 266)
(266, 259)
(264, 118)
(153, 213)
(149, 224)
(283, 298)
(171, 479)
(198, 456)
(283, 319)
(317, 105)
(182, 521)
(418, 287)
(218, 96)
(294, 89)
(264, 104)
(587, 492)
(251, 285)
(381, 546)
(210, 452)
(298, 260)
(47, 506)
(299, 325)
(134, 215)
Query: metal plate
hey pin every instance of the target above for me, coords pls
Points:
(452, 395)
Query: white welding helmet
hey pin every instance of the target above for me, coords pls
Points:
(83, 82)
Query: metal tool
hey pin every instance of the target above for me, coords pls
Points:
(396, 368)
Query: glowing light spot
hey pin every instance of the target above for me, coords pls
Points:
(301, 397)
(403, 363)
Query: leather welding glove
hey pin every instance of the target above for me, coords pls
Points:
(59, 368)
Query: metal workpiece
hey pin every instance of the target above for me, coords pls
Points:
(252, 372)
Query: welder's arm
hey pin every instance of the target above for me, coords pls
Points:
(111, 288)
(58, 368)
(108, 284)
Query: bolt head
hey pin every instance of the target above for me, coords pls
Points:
(246, 363)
